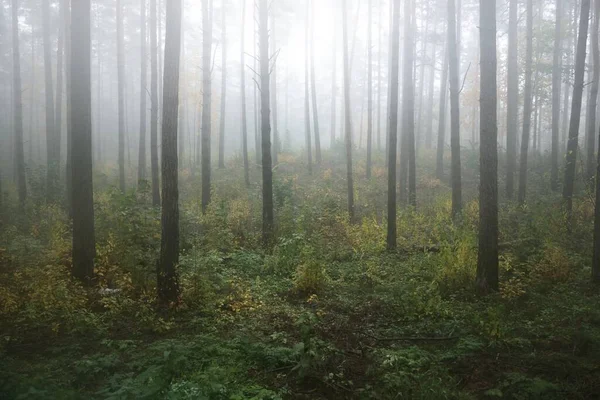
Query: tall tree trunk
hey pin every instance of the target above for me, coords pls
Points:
(181, 131)
(167, 282)
(243, 98)
(454, 110)
(51, 140)
(527, 105)
(257, 129)
(389, 86)
(206, 101)
(66, 17)
(59, 82)
(276, 145)
(487, 259)
(567, 91)
(18, 107)
(121, 93)
(333, 83)
(369, 87)
(556, 82)
(267, 171)
(314, 89)
(407, 156)
(441, 139)
(306, 91)
(572, 144)
(431, 90)
(154, 105)
(593, 101)
(347, 114)
(512, 113)
(379, 80)
(143, 84)
(393, 121)
(84, 243)
(223, 86)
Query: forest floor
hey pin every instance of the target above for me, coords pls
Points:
(328, 313)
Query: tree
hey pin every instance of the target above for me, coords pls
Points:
(441, 139)
(526, 105)
(167, 282)
(306, 93)
(487, 256)
(243, 96)
(593, 100)
(223, 86)
(454, 110)
(267, 171)
(314, 90)
(333, 83)
(154, 105)
(347, 114)
(52, 144)
(143, 94)
(556, 82)
(276, 145)
(18, 108)
(84, 243)
(66, 11)
(206, 101)
(121, 93)
(572, 144)
(59, 79)
(369, 87)
(393, 121)
(407, 156)
(512, 114)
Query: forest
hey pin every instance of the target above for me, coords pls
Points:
(299, 199)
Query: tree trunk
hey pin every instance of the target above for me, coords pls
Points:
(431, 90)
(306, 91)
(527, 105)
(512, 113)
(347, 114)
(407, 161)
(167, 282)
(84, 243)
(393, 121)
(369, 88)
(334, 84)
(154, 105)
(18, 108)
(556, 82)
(593, 101)
(243, 100)
(143, 94)
(276, 145)
(51, 140)
(441, 139)
(223, 87)
(454, 110)
(121, 93)
(572, 144)
(314, 90)
(59, 82)
(379, 80)
(267, 171)
(487, 259)
(206, 101)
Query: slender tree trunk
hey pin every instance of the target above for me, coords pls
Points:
(556, 82)
(369, 88)
(181, 131)
(572, 144)
(51, 140)
(441, 139)
(59, 82)
(223, 86)
(527, 105)
(596, 254)
(568, 81)
(154, 105)
(389, 88)
(512, 114)
(206, 101)
(431, 90)
(333, 84)
(18, 107)
(393, 121)
(84, 243)
(121, 93)
(593, 101)
(243, 98)
(306, 91)
(314, 90)
(407, 160)
(347, 114)
(257, 128)
(454, 110)
(276, 145)
(487, 260)
(143, 85)
(167, 282)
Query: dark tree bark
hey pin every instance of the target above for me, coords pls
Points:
(267, 169)
(512, 113)
(407, 160)
(369, 87)
(572, 144)
(52, 143)
(276, 145)
(393, 121)
(487, 259)
(66, 17)
(167, 282)
(121, 93)
(527, 105)
(223, 87)
(18, 108)
(593, 100)
(84, 243)
(60, 83)
(454, 110)
(306, 91)
(154, 105)
(441, 139)
(243, 101)
(347, 114)
(556, 83)
(143, 84)
(206, 101)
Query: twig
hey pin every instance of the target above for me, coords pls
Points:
(464, 79)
